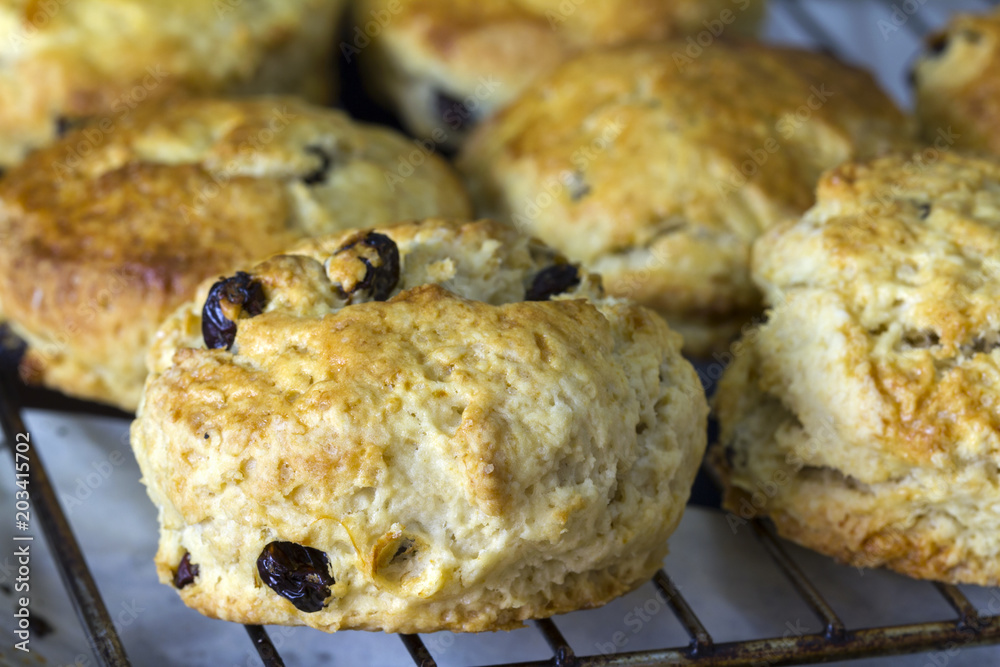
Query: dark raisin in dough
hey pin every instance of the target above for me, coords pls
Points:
(319, 174)
(937, 44)
(241, 290)
(456, 115)
(299, 574)
(552, 281)
(379, 280)
(186, 572)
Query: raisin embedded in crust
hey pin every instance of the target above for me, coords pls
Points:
(552, 281)
(186, 572)
(227, 300)
(299, 574)
(318, 175)
(380, 255)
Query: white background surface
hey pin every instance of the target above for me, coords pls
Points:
(726, 576)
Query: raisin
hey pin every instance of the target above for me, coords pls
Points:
(938, 44)
(240, 291)
(380, 279)
(186, 572)
(454, 112)
(63, 126)
(299, 574)
(318, 175)
(551, 281)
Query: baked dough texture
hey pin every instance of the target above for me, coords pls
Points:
(958, 83)
(863, 416)
(61, 61)
(651, 168)
(443, 65)
(99, 246)
(465, 459)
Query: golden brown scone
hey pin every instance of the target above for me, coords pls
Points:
(958, 83)
(100, 245)
(444, 65)
(648, 167)
(864, 416)
(61, 61)
(445, 453)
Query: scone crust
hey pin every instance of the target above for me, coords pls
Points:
(958, 83)
(99, 247)
(863, 416)
(492, 49)
(537, 454)
(642, 163)
(61, 61)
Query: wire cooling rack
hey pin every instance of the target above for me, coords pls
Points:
(967, 626)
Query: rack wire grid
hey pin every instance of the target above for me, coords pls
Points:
(968, 626)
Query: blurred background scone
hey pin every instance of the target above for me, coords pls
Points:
(958, 83)
(454, 429)
(864, 416)
(62, 61)
(658, 170)
(444, 65)
(104, 234)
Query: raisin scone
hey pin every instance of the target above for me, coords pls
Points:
(444, 65)
(648, 169)
(864, 416)
(61, 61)
(957, 83)
(414, 428)
(98, 248)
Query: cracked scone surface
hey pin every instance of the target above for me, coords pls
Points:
(62, 61)
(98, 249)
(428, 57)
(958, 83)
(650, 171)
(466, 460)
(864, 416)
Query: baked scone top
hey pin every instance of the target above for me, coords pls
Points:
(459, 41)
(520, 457)
(885, 318)
(958, 82)
(111, 228)
(660, 169)
(88, 57)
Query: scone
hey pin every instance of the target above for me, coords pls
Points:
(651, 168)
(61, 61)
(99, 246)
(864, 416)
(444, 65)
(958, 83)
(414, 428)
